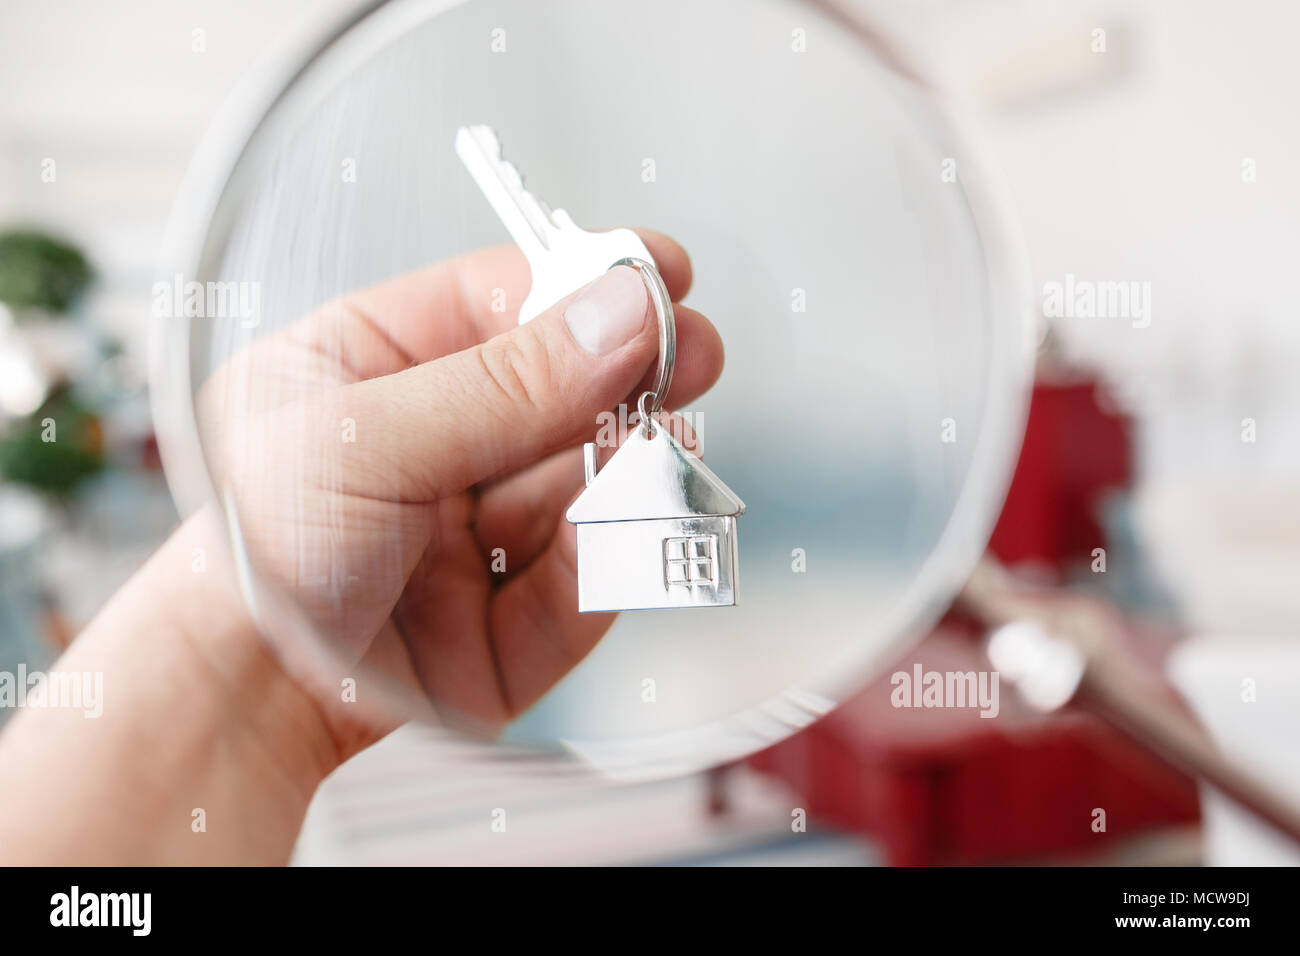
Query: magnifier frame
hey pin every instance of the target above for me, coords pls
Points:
(230, 158)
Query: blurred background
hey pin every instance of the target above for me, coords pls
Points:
(1157, 153)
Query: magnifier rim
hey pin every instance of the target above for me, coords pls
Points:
(205, 195)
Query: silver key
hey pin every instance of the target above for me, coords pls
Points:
(562, 257)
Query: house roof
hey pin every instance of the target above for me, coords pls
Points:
(649, 478)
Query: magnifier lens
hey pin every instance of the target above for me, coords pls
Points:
(842, 244)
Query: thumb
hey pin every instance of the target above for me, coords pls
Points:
(500, 405)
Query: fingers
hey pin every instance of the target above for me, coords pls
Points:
(537, 632)
(440, 617)
(698, 364)
(444, 308)
(438, 428)
(519, 514)
(455, 304)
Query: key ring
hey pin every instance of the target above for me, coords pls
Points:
(663, 304)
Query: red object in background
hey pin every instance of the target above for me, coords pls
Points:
(1074, 452)
(945, 785)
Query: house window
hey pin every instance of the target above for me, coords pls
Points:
(691, 562)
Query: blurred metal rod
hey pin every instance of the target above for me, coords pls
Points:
(1178, 741)
(1060, 649)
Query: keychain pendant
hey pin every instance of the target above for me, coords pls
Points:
(656, 527)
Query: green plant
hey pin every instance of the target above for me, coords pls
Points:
(56, 448)
(38, 271)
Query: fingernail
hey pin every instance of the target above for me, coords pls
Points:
(609, 313)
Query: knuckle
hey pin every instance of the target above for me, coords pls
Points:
(518, 367)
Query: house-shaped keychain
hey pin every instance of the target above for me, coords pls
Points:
(656, 529)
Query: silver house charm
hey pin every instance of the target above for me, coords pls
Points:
(656, 527)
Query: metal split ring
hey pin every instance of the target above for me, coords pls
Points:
(663, 304)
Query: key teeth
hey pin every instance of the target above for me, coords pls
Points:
(486, 139)
(488, 143)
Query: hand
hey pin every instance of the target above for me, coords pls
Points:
(466, 431)
(379, 452)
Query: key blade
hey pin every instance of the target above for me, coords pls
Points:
(561, 256)
(523, 215)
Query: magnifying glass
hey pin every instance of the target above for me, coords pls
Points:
(847, 242)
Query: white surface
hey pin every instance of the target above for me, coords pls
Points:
(1260, 733)
(411, 800)
(1229, 552)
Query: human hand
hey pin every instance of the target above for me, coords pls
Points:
(378, 452)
